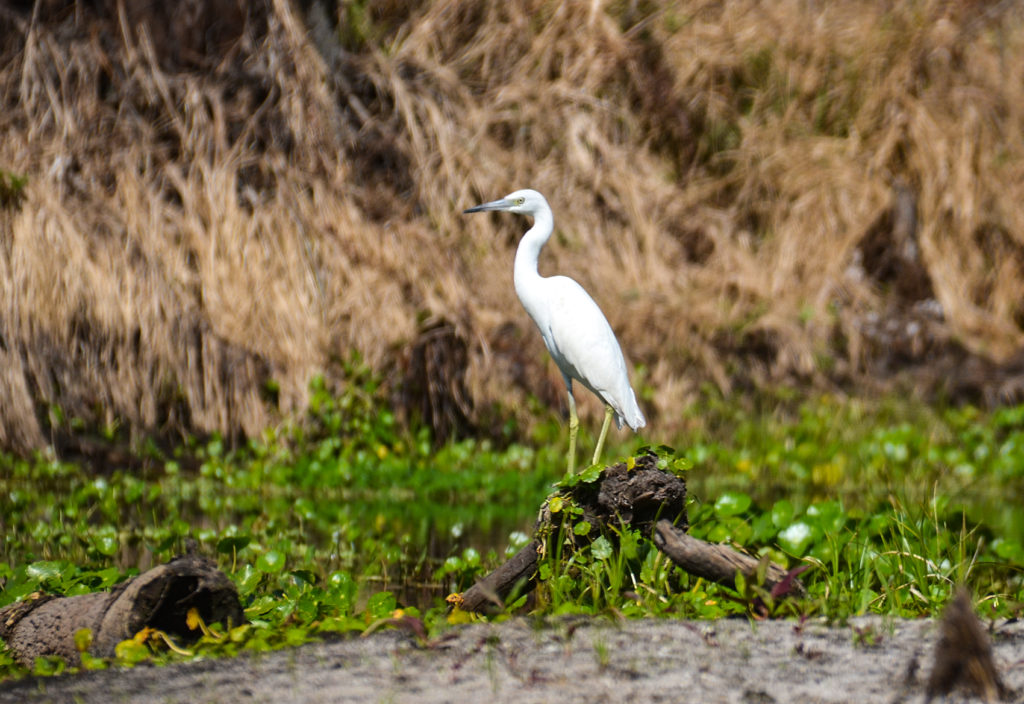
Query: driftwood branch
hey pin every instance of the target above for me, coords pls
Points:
(489, 593)
(715, 562)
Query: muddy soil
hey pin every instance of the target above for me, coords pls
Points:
(872, 660)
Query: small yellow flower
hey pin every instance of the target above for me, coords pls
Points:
(192, 619)
(827, 474)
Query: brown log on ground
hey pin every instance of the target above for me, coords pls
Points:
(717, 563)
(159, 598)
(635, 497)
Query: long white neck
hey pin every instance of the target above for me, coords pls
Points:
(525, 271)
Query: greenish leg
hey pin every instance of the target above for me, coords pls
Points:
(604, 431)
(574, 425)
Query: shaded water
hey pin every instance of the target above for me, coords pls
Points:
(393, 539)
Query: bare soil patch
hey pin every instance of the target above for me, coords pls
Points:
(871, 660)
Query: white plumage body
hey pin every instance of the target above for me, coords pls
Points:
(574, 329)
(580, 340)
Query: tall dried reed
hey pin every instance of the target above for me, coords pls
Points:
(245, 193)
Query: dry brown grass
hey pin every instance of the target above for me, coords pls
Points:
(224, 197)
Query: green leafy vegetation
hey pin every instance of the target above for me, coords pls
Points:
(341, 521)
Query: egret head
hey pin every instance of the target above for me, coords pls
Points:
(525, 202)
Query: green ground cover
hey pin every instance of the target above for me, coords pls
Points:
(334, 522)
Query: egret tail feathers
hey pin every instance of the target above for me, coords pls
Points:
(631, 414)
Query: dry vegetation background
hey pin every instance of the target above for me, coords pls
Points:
(223, 198)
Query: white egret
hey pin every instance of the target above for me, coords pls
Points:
(574, 329)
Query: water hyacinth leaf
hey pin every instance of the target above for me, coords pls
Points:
(165, 543)
(130, 652)
(797, 537)
(83, 639)
(763, 528)
(106, 544)
(877, 524)
(582, 528)
(681, 465)
(569, 480)
(471, 557)
(271, 562)
(43, 570)
(78, 589)
(601, 548)
(664, 453)
(247, 579)
(235, 543)
(48, 665)
(304, 576)
(261, 606)
(827, 515)
(782, 513)
(296, 636)
(1008, 550)
(740, 530)
(344, 587)
(381, 605)
(544, 571)
(306, 609)
(732, 503)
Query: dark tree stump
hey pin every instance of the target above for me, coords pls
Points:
(159, 598)
(645, 498)
(636, 498)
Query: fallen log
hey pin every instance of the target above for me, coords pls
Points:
(159, 598)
